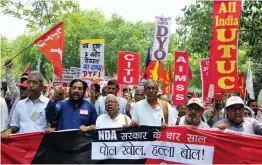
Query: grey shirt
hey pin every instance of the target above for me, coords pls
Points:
(249, 125)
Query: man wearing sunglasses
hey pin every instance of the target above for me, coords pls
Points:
(194, 111)
(235, 121)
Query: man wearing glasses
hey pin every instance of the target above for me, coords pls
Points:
(235, 121)
(194, 111)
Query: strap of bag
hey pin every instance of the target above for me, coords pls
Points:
(165, 110)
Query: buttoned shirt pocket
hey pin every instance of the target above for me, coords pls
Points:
(41, 119)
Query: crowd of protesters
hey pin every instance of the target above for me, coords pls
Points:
(29, 107)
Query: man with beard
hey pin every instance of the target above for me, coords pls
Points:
(113, 119)
(73, 113)
(194, 111)
(235, 120)
(152, 111)
(139, 95)
(112, 88)
(29, 113)
(214, 114)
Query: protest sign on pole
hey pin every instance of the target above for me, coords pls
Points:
(92, 59)
(180, 78)
(128, 68)
(223, 71)
(67, 77)
(204, 63)
(161, 39)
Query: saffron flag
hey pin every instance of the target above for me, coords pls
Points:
(51, 45)
(156, 71)
(174, 145)
(223, 74)
(242, 85)
(168, 83)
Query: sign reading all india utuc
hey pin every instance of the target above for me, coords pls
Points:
(92, 59)
(161, 39)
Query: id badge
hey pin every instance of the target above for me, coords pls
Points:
(35, 116)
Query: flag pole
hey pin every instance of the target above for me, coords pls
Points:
(19, 53)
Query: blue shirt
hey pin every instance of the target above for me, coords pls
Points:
(69, 116)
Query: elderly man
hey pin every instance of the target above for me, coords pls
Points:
(29, 113)
(152, 111)
(194, 111)
(112, 88)
(139, 95)
(235, 121)
(72, 113)
(113, 118)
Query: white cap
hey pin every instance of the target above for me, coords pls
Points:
(234, 100)
(197, 101)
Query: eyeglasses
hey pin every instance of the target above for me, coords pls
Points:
(195, 108)
(110, 102)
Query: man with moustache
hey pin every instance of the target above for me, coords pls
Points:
(72, 113)
(29, 113)
(152, 111)
(235, 121)
(194, 111)
(214, 114)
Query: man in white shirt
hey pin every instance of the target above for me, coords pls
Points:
(29, 114)
(194, 111)
(152, 111)
(4, 114)
(113, 119)
(112, 88)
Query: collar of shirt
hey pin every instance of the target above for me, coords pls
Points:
(71, 101)
(41, 98)
(240, 125)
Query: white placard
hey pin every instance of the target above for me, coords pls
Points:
(161, 39)
(92, 59)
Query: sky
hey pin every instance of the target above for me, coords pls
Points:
(132, 10)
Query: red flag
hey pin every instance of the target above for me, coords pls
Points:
(190, 76)
(51, 45)
(194, 95)
(168, 82)
(27, 69)
(242, 85)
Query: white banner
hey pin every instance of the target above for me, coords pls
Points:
(169, 151)
(92, 59)
(161, 39)
(67, 77)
